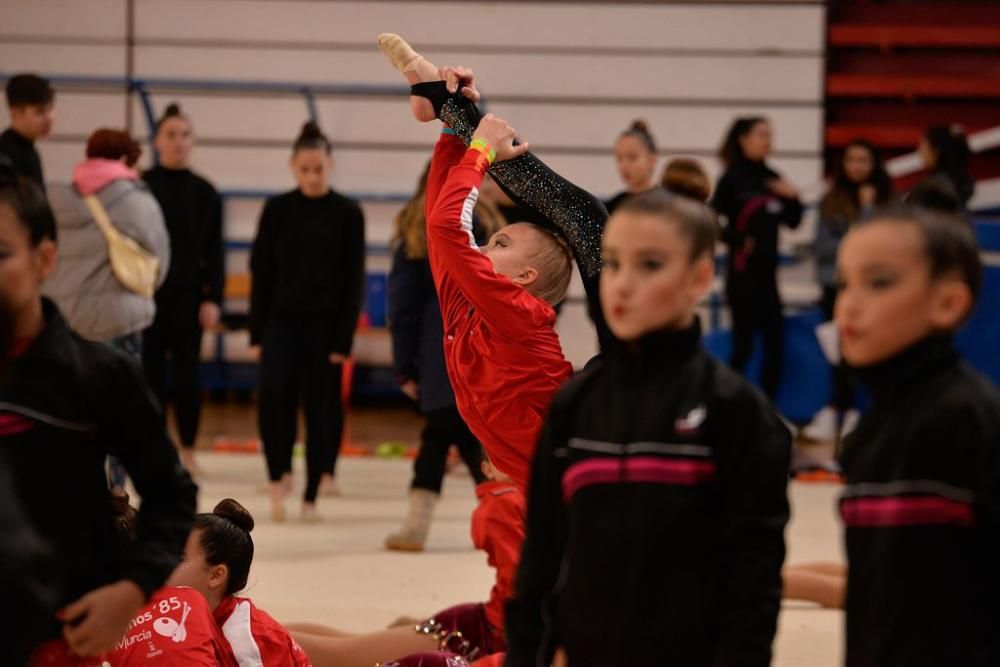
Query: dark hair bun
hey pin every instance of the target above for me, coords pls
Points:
(173, 109)
(312, 137)
(232, 511)
(639, 125)
(311, 132)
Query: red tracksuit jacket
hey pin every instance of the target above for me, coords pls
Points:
(256, 638)
(501, 348)
(174, 629)
(498, 529)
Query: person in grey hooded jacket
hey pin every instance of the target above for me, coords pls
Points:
(93, 301)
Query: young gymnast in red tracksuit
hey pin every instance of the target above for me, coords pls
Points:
(216, 563)
(503, 355)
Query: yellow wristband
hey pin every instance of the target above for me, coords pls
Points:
(483, 147)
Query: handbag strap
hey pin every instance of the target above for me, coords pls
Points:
(100, 215)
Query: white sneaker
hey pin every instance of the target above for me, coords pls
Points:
(823, 427)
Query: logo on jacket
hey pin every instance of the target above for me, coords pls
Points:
(692, 422)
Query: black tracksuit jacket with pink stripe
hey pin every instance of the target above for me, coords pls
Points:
(67, 404)
(922, 515)
(656, 516)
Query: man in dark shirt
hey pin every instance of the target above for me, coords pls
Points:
(31, 101)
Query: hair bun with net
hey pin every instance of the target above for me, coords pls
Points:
(235, 513)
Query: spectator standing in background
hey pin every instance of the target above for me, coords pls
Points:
(308, 266)
(635, 155)
(31, 101)
(95, 304)
(755, 200)
(189, 300)
(945, 153)
(418, 363)
(860, 185)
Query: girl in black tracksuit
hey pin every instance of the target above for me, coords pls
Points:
(657, 502)
(308, 263)
(190, 298)
(921, 506)
(65, 405)
(755, 202)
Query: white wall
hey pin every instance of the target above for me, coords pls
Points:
(569, 76)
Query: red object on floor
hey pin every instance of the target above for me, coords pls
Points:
(236, 445)
(819, 476)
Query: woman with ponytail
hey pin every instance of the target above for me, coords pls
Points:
(189, 300)
(308, 266)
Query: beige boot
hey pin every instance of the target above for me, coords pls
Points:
(416, 525)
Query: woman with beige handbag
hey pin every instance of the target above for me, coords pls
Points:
(113, 247)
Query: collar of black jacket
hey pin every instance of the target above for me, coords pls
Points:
(51, 341)
(923, 358)
(664, 348)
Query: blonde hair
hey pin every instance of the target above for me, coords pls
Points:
(554, 264)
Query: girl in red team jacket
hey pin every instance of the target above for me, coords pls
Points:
(216, 563)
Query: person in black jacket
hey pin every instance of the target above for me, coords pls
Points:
(922, 502)
(418, 363)
(657, 504)
(31, 101)
(755, 200)
(27, 564)
(65, 405)
(189, 301)
(308, 266)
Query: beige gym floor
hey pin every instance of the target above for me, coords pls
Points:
(336, 572)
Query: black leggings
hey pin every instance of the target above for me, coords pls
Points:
(294, 366)
(443, 429)
(572, 211)
(756, 306)
(176, 333)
